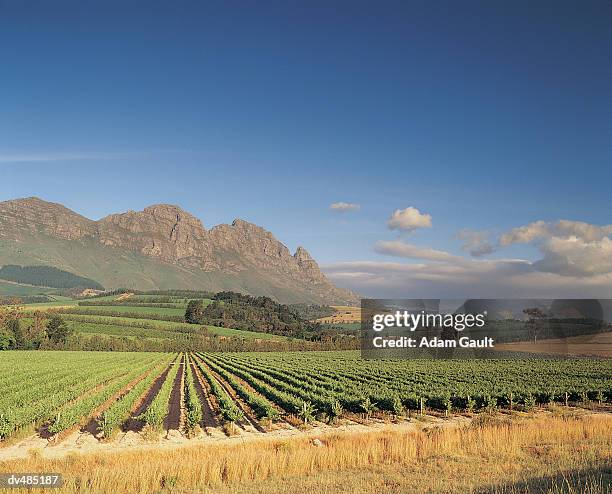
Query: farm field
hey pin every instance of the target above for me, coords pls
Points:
(315, 416)
(225, 393)
(343, 314)
(148, 310)
(57, 302)
(62, 390)
(332, 379)
(9, 288)
(143, 317)
(598, 345)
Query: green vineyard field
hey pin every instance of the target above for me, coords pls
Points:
(61, 391)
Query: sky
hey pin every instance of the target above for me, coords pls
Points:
(437, 129)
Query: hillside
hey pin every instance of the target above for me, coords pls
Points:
(46, 276)
(161, 247)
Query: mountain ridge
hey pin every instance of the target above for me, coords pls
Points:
(160, 246)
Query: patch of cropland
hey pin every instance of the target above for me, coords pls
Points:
(141, 311)
(133, 303)
(56, 391)
(342, 314)
(336, 381)
(156, 321)
(51, 394)
(168, 322)
(151, 328)
(10, 289)
(145, 325)
(46, 276)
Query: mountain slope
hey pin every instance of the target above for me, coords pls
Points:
(161, 247)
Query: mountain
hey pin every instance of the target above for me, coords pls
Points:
(162, 247)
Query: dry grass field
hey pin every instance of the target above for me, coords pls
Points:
(554, 451)
(343, 314)
(597, 345)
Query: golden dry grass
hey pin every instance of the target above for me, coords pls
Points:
(343, 314)
(480, 458)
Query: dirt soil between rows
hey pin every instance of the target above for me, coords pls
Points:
(173, 419)
(135, 425)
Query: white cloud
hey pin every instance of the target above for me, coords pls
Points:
(575, 262)
(344, 206)
(408, 220)
(467, 279)
(475, 242)
(403, 249)
(569, 248)
(573, 256)
(524, 234)
(563, 228)
(585, 231)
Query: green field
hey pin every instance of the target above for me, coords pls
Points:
(144, 322)
(14, 290)
(324, 378)
(180, 312)
(62, 390)
(115, 330)
(58, 302)
(157, 329)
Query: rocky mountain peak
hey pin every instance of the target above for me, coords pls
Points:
(241, 256)
(32, 216)
(171, 212)
(239, 224)
(301, 254)
(309, 266)
(163, 231)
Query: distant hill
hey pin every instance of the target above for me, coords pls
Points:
(162, 247)
(46, 276)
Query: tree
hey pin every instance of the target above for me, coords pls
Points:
(8, 313)
(13, 326)
(10, 329)
(35, 333)
(57, 330)
(194, 312)
(7, 339)
(537, 318)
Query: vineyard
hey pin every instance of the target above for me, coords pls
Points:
(132, 322)
(166, 322)
(51, 394)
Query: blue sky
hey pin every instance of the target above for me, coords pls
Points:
(485, 115)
